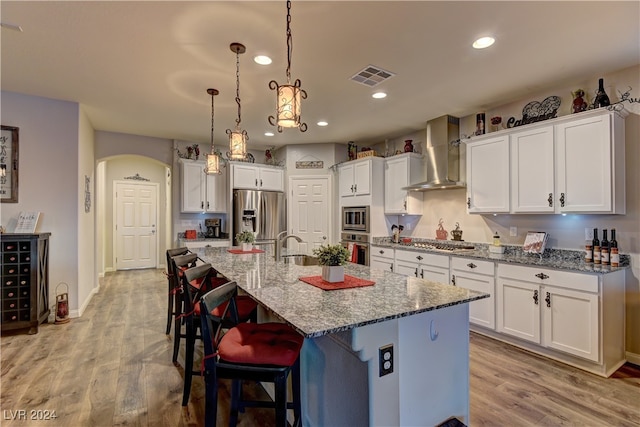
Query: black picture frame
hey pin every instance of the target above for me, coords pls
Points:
(9, 164)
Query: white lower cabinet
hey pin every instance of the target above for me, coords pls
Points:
(381, 258)
(426, 266)
(555, 309)
(476, 275)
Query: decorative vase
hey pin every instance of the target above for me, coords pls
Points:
(408, 146)
(247, 247)
(333, 273)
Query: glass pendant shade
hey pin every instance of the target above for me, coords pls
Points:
(237, 145)
(289, 106)
(213, 165)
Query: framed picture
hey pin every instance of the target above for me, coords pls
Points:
(9, 165)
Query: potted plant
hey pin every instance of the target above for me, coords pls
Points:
(332, 258)
(247, 238)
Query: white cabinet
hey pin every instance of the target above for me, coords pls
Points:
(590, 164)
(559, 310)
(381, 258)
(211, 243)
(257, 177)
(401, 171)
(532, 171)
(202, 192)
(476, 275)
(426, 266)
(488, 175)
(355, 178)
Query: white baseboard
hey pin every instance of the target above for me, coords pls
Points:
(633, 358)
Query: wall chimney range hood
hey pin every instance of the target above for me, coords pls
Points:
(442, 157)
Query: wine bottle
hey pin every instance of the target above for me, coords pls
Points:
(588, 252)
(596, 247)
(602, 99)
(613, 245)
(604, 249)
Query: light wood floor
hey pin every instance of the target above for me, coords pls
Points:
(112, 367)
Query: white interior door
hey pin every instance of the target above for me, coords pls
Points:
(136, 217)
(309, 211)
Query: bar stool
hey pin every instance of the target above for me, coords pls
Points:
(197, 281)
(173, 284)
(265, 352)
(180, 264)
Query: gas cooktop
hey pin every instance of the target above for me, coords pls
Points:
(443, 246)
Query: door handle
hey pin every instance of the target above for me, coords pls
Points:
(535, 296)
(548, 299)
(422, 273)
(453, 280)
(324, 237)
(416, 273)
(468, 202)
(562, 200)
(550, 200)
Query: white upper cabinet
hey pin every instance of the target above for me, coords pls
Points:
(355, 179)
(361, 182)
(202, 192)
(569, 164)
(400, 171)
(488, 175)
(257, 177)
(590, 164)
(532, 171)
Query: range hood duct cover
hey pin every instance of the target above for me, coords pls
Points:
(442, 158)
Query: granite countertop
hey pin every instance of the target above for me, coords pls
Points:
(314, 312)
(561, 259)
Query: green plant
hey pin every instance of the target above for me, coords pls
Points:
(332, 255)
(245, 236)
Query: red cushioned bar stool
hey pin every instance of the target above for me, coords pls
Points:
(173, 284)
(196, 282)
(180, 263)
(265, 352)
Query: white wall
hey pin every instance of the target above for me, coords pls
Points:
(48, 182)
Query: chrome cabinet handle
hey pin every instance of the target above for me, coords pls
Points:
(550, 200)
(548, 299)
(535, 297)
(471, 265)
(562, 200)
(542, 276)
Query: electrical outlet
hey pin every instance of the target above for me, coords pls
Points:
(385, 357)
(588, 234)
(513, 231)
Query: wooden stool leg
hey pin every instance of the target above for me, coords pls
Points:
(236, 397)
(280, 385)
(188, 362)
(297, 403)
(169, 308)
(211, 400)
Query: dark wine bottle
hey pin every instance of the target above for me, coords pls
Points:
(595, 244)
(604, 249)
(613, 249)
(602, 99)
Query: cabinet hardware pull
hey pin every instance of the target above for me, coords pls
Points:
(416, 273)
(471, 265)
(550, 200)
(548, 299)
(381, 251)
(256, 182)
(201, 205)
(469, 202)
(419, 258)
(261, 182)
(422, 274)
(356, 188)
(352, 188)
(207, 205)
(542, 276)
(562, 200)
(391, 267)
(405, 205)
(453, 280)
(535, 297)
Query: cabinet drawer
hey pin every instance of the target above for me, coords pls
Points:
(543, 276)
(472, 265)
(423, 258)
(380, 252)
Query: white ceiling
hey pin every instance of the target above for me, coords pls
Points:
(143, 67)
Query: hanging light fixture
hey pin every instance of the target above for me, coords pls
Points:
(289, 96)
(237, 138)
(213, 159)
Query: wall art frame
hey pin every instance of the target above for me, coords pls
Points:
(9, 164)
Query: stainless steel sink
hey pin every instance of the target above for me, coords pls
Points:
(300, 259)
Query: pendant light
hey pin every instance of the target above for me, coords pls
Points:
(213, 159)
(237, 138)
(289, 96)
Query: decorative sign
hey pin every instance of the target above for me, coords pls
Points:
(536, 112)
(9, 164)
(87, 194)
(137, 177)
(27, 222)
(310, 164)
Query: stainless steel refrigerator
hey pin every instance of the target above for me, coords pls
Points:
(262, 212)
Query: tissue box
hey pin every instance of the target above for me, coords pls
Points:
(496, 249)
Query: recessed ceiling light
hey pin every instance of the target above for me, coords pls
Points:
(483, 42)
(322, 123)
(268, 134)
(379, 95)
(262, 60)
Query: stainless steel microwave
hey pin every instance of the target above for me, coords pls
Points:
(355, 218)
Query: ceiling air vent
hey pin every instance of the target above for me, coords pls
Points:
(372, 76)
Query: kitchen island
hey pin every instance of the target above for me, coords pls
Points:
(425, 323)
